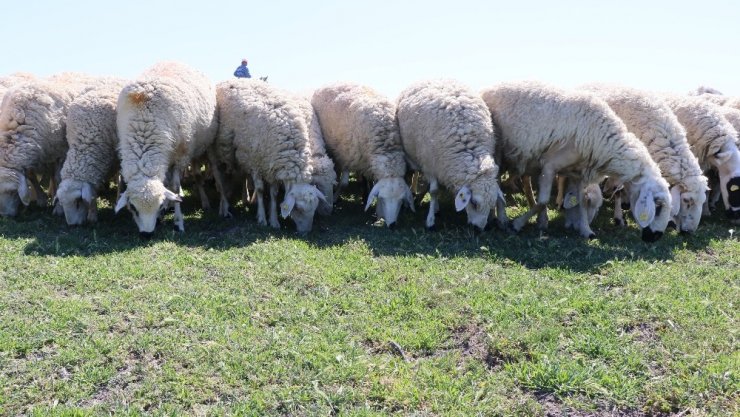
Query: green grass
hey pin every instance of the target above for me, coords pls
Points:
(233, 319)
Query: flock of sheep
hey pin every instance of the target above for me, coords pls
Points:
(650, 151)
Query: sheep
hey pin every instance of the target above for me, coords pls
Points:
(92, 156)
(545, 131)
(9, 81)
(165, 120)
(323, 175)
(447, 134)
(713, 140)
(654, 123)
(266, 132)
(32, 140)
(361, 133)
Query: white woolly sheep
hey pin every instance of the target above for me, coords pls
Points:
(9, 81)
(361, 134)
(447, 134)
(545, 131)
(32, 142)
(713, 141)
(92, 157)
(654, 123)
(267, 131)
(323, 175)
(165, 120)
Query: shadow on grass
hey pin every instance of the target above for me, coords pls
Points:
(557, 248)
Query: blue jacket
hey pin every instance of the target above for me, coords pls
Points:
(242, 72)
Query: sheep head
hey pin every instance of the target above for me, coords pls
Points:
(300, 204)
(478, 198)
(13, 191)
(77, 199)
(727, 161)
(390, 194)
(687, 199)
(650, 202)
(146, 200)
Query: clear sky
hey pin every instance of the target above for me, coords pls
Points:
(660, 45)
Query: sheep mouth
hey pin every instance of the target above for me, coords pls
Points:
(733, 213)
(733, 192)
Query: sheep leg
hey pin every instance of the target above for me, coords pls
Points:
(92, 211)
(583, 227)
(503, 220)
(218, 179)
(179, 219)
(618, 212)
(258, 189)
(705, 211)
(561, 192)
(433, 202)
(273, 206)
(40, 195)
(415, 183)
(527, 189)
(199, 184)
(343, 182)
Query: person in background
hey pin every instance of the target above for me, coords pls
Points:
(242, 71)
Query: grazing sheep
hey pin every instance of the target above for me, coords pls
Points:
(165, 120)
(361, 133)
(32, 140)
(323, 175)
(447, 134)
(546, 131)
(713, 141)
(265, 130)
(92, 157)
(653, 122)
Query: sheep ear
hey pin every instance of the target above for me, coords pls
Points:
(87, 193)
(462, 199)
(23, 190)
(675, 200)
(320, 195)
(169, 195)
(287, 206)
(408, 197)
(570, 200)
(122, 200)
(645, 209)
(372, 196)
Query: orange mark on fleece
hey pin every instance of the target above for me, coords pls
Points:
(138, 98)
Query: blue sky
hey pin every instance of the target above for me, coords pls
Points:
(660, 45)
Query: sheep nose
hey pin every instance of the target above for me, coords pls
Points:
(391, 226)
(146, 235)
(672, 224)
(650, 236)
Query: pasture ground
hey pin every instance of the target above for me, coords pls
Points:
(234, 319)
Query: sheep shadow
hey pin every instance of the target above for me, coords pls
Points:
(557, 248)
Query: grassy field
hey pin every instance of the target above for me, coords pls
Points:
(233, 319)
